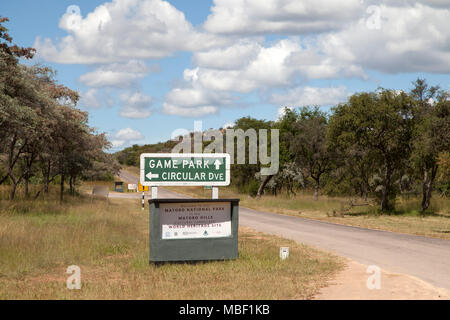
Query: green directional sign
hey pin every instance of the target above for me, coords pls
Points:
(184, 169)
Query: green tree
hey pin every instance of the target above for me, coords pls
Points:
(243, 175)
(431, 134)
(284, 124)
(18, 121)
(41, 130)
(379, 124)
(308, 145)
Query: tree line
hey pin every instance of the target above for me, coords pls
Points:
(376, 145)
(43, 136)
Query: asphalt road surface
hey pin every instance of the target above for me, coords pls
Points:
(422, 257)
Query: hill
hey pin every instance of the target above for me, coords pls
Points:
(130, 156)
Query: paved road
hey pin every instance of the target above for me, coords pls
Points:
(128, 177)
(423, 257)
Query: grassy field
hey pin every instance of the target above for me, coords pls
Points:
(406, 218)
(109, 242)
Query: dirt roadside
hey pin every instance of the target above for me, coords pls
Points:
(351, 284)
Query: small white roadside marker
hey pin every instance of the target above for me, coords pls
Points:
(284, 253)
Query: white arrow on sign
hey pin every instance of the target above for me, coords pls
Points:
(152, 175)
(217, 164)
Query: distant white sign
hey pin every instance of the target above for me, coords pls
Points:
(195, 220)
(132, 186)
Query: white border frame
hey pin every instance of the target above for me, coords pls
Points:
(226, 156)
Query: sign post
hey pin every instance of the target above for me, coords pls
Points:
(142, 189)
(154, 192)
(190, 229)
(215, 193)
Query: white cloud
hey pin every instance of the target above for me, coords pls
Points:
(194, 101)
(431, 3)
(314, 39)
(228, 125)
(264, 67)
(280, 16)
(135, 105)
(305, 96)
(94, 99)
(128, 134)
(124, 136)
(117, 143)
(212, 83)
(312, 63)
(188, 97)
(410, 39)
(236, 56)
(89, 99)
(256, 67)
(196, 111)
(122, 30)
(118, 75)
(295, 17)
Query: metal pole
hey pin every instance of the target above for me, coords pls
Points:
(215, 193)
(143, 199)
(154, 192)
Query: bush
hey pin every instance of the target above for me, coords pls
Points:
(444, 188)
(252, 188)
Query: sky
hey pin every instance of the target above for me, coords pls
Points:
(147, 68)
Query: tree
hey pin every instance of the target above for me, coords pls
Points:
(41, 130)
(286, 125)
(308, 145)
(351, 171)
(444, 174)
(431, 134)
(21, 122)
(17, 120)
(380, 124)
(243, 175)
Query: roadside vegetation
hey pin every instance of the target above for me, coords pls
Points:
(109, 242)
(44, 138)
(377, 146)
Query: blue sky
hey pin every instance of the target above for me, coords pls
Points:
(145, 68)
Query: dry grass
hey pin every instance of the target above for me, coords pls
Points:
(87, 186)
(406, 219)
(40, 239)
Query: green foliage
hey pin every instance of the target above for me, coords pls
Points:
(431, 135)
(377, 144)
(242, 176)
(130, 156)
(42, 134)
(374, 131)
(252, 188)
(308, 144)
